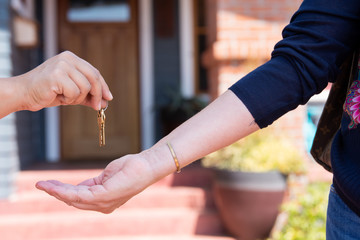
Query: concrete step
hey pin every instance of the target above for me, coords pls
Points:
(123, 222)
(193, 175)
(36, 201)
(179, 206)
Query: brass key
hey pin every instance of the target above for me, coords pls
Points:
(101, 123)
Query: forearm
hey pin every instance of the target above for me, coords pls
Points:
(221, 123)
(11, 96)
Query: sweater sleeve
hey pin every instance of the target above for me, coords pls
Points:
(321, 34)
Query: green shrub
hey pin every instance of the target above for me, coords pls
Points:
(260, 152)
(306, 215)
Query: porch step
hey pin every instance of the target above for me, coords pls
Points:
(192, 176)
(123, 222)
(179, 206)
(36, 201)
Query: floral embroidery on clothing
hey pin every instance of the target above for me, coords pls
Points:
(352, 104)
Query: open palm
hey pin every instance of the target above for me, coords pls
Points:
(121, 179)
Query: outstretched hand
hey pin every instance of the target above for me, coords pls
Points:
(127, 176)
(121, 179)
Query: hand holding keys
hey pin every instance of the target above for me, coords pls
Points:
(101, 122)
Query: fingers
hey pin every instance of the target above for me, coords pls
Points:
(80, 196)
(69, 92)
(105, 88)
(62, 80)
(99, 89)
(89, 102)
(50, 188)
(83, 85)
(66, 192)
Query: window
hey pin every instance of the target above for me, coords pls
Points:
(99, 11)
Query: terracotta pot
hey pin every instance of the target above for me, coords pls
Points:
(248, 203)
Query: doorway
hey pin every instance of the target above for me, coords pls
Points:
(104, 33)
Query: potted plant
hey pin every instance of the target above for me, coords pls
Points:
(250, 182)
(179, 109)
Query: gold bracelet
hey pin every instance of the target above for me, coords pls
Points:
(178, 169)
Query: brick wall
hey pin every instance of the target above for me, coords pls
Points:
(248, 28)
(241, 36)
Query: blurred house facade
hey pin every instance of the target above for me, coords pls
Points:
(144, 49)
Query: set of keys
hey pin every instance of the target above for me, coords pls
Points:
(101, 122)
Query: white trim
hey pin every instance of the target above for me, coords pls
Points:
(186, 47)
(146, 73)
(52, 116)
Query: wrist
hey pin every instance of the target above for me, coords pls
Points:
(160, 161)
(12, 95)
(19, 92)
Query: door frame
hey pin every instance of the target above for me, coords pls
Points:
(147, 114)
(187, 49)
(52, 115)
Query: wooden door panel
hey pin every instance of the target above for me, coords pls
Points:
(112, 49)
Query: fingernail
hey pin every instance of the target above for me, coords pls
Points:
(99, 106)
(111, 96)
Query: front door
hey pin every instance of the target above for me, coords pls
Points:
(103, 32)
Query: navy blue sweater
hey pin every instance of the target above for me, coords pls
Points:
(320, 36)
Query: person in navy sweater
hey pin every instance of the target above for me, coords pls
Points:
(320, 36)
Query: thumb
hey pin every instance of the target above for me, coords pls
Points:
(92, 181)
